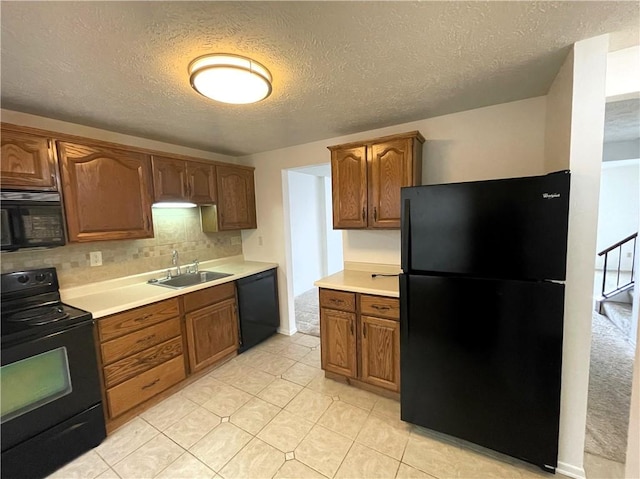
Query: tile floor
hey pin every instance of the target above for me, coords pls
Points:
(270, 413)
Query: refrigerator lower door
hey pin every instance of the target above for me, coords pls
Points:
(481, 360)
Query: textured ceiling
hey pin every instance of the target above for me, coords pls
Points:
(338, 67)
(622, 120)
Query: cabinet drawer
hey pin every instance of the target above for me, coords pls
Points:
(136, 390)
(380, 306)
(138, 363)
(123, 323)
(139, 340)
(342, 300)
(205, 297)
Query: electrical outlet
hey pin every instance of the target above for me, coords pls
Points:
(259, 240)
(95, 258)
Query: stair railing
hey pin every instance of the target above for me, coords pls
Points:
(610, 249)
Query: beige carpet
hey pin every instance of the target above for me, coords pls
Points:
(308, 312)
(609, 391)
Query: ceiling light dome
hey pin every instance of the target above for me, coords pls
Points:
(230, 78)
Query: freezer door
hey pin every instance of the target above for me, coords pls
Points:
(505, 229)
(481, 360)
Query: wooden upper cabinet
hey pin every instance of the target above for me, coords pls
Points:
(169, 179)
(349, 186)
(202, 182)
(182, 180)
(236, 198)
(367, 177)
(107, 192)
(28, 162)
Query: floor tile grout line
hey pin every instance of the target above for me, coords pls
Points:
(131, 452)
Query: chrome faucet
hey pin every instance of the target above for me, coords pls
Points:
(193, 268)
(175, 260)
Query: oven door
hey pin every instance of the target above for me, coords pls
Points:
(46, 381)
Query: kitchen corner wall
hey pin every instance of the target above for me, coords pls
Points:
(177, 229)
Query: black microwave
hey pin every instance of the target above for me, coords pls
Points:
(31, 220)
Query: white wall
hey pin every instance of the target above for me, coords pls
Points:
(333, 244)
(623, 71)
(306, 209)
(574, 138)
(619, 209)
(632, 469)
(499, 141)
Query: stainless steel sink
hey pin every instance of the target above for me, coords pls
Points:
(188, 279)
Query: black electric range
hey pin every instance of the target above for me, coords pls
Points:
(51, 394)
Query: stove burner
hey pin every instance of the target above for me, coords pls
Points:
(39, 316)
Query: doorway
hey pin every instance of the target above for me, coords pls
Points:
(315, 247)
(614, 326)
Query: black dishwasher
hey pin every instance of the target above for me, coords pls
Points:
(258, 307)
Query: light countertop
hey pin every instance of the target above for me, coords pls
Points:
(114, 296)
(358, 281)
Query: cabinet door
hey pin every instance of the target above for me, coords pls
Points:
(390, 169)
(202, 183)
(338, 342)
(27, 162)
(349, 187)
(169, 179)
(107, 193)
(236, 198)
(380, 342)
(212, 333)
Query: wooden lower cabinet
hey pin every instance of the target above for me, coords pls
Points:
(360, 337)
(141, 352)
(211, 325)
(146, 351)
(380, 352)
(338, 351)
(144, 386)
(212, 334)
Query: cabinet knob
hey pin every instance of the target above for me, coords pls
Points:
(364, 216)
(375, 213)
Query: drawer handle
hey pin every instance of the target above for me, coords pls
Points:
(152, 383)
(145, 339)
(143, 318)
(351, 328)
(364, 330)
(380, 308)
(337, 301)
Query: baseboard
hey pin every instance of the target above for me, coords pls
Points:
(287, 332)
(570, 470)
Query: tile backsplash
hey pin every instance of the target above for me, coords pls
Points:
(177, 229)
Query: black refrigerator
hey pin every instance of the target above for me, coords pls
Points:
(482, 306)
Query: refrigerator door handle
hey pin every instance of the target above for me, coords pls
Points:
(405, 228)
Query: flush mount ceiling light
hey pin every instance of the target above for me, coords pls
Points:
(230, 78)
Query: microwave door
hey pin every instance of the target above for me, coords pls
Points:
(7, 232)
(41, 225)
